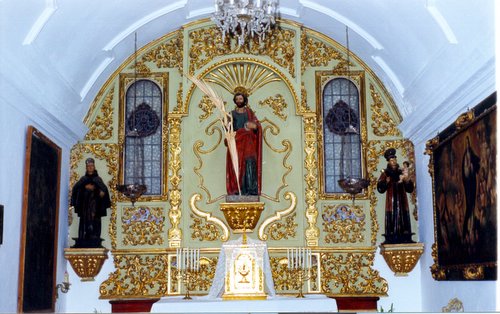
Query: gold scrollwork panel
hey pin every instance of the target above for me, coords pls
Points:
(206, 44)
(316, 53)
(351, 273)
(277, 104)
(382, 123)
(143, 225)
(343, 223)
(279, 230)
(137, 275)
(212, 222)
(101, 128)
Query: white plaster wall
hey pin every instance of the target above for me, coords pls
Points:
(404, 292)
(13, 125)
(84, 295)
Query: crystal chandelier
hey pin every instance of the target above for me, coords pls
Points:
(245, 18)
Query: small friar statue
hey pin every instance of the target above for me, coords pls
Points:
(90, 198)
(395, 183)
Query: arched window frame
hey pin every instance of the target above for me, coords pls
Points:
(322, 80)
(126, 82)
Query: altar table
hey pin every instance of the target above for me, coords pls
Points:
(315, 303)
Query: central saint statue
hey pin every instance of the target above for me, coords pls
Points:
(249, 150)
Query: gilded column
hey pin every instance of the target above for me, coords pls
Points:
(174, 233)
(311, 191)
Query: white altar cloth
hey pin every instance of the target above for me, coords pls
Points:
(312, 303)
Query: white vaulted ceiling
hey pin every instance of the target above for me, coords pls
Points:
(56, 54)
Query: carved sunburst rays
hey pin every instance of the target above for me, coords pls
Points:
(241, 77)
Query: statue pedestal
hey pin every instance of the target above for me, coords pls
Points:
(86, 263)
(242, 217)
(244, 276)
(401, 258)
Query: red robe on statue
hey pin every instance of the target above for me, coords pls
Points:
(249, 146)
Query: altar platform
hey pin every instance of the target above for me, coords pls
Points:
(278, 304)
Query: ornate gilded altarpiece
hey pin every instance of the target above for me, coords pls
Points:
(281, 75)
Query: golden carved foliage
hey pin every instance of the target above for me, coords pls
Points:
(203, 230)
(351, 273)
(102, 126)
(343, 224)
(206, 274)
(207, 43)
(304, 107)
(137, 275)
(143, 226)
(316, 53)
(207, 106)
(277, 104)
(284, 230)
(282, 277)
(168, 54)
(382, 123)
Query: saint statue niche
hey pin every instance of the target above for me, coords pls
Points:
(249, 150)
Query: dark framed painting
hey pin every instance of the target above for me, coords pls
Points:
(38, 256)
(463, 170)
(1, 224)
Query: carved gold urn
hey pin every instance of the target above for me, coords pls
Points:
(242, 217)
(402, 258)
(86, 262)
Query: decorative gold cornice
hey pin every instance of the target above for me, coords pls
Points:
(277, 103)
(278, 215)
(464, 119)
(175, 196)
(208, 217)
(382, 123)
(101, 127)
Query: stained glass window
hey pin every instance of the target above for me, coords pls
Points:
(143, 136)
(340, 112)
